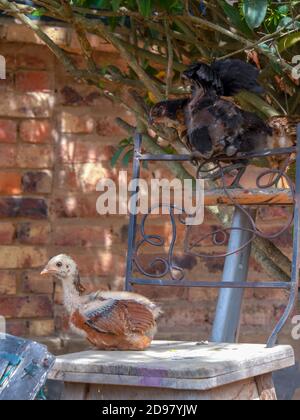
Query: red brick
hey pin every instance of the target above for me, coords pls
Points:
(270, 295)
(12, 257)
(83, 177)
(17, 32)
(18, 328)
(97, 263)
(26, 306)
(71, 96)
(26, 105)
(161, 293)
(184, 314)
(8, 131)
(37, 58)
(10, 56)
(274, 213)
(7, 85)
(33, 282)
(83, 236)
(202, 235)
(33, 233)
(34, 81)
(81, 94)
(8, 283)
(8, 155)
(41, 328)
(7, 233)
(32, 156)
(37, 182)
(73, 206)
(34, 131)
(72, 150)
(33, 208)
(196, 294)
(258, 315)
(106, 126)
(72, 123)
(10, 183)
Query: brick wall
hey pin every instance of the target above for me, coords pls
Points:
(56, 139)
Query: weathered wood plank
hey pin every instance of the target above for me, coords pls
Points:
(75, 392)
(249, 197)
(243, 390)
(177, 365)
(266, 388)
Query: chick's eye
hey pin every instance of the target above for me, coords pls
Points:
(59, 264)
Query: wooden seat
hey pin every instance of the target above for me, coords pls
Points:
(253, 197)
(174, 370)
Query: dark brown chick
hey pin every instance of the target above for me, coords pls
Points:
(212, 125)
(284, 135)
(215, 124)
(171, 114)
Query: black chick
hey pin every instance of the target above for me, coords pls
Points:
(226, 77)
(236, 76)
(215, 125)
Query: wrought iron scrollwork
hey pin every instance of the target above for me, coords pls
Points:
(161, 267)
(164, 266)
(166, 271)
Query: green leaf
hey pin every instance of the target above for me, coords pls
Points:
(170, 150)
(145, 164)
(39, 12)
(126, 142)
(285, 22)
(288, 41)
(252, 102)
(235, 18)
(145, 7)
(116, 4)
(117, 156)
(283, 9)
(127, 158)
(255, 12)
(99, 4)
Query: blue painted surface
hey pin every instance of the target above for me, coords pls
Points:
(13, 359)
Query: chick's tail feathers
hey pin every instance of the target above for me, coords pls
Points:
(237, 75)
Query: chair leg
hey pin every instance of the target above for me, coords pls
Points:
(227, 319)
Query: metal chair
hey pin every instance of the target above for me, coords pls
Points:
(242, 233)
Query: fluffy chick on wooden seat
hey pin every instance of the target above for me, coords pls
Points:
(108, 320)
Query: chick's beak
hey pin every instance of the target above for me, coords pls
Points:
(44, 272)
(47, 271)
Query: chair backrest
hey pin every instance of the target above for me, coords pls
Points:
(170, 274)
